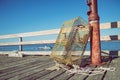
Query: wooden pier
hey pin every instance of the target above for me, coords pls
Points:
(34, 68)
(20, 39)
(31, 65)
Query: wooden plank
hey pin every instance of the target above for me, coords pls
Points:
(33, 70)
(12, 61)
(21, 67)
(105, 25)
(118, 23)
(114, 75)
(28, 34)
(14, 69)
(6, 61)
(63, 76)
(17, 63)
(89, 77)
(52, 75)
(24, 71)
(110, 38)
(78, 77)
(28, 42)
(27, 69)
(104, 53)
(100, 76)
(37, 75)
(110, 25)
(35, 52)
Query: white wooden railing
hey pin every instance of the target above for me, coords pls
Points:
(20, 36)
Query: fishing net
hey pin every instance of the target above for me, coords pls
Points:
(71, 42)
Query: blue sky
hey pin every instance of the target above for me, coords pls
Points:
(18, 16)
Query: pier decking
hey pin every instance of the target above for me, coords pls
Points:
(33, 68)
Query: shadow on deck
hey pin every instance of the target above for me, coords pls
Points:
(33, 68)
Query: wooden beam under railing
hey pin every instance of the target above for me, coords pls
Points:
(104, 53)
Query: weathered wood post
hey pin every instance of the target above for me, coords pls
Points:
(95, 33)
(20, 46)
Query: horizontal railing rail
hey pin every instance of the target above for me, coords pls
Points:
(29, 34)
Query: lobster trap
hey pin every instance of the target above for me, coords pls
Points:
(71, 42)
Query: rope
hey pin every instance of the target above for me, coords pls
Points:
(87, 71)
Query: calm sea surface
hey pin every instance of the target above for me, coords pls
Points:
(109, 45)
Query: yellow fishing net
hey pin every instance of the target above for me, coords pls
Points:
(71, 42)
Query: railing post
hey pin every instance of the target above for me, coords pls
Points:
(95, 33)
(20, 46)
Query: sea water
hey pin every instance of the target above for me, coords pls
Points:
(107, 45)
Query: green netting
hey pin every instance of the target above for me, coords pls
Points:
(71, 42)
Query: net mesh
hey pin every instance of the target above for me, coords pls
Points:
(71, 42)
